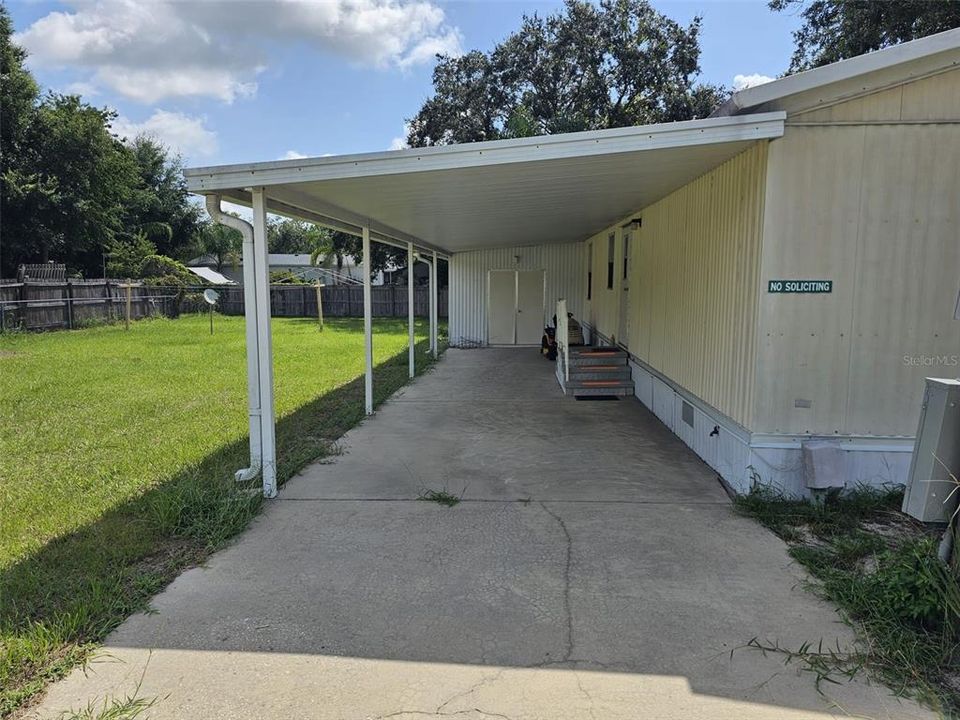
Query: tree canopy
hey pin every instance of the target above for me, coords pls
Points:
(71, 190)
(587, 67)
(834, 30)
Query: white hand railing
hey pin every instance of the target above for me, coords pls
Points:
(563, 342)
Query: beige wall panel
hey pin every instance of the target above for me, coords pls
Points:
(810, 232)
(875, 209)
(603, 310)
(933, 98)
(908, 275)
(693, 284)
(884, 105)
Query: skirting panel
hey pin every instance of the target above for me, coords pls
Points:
(743, 459)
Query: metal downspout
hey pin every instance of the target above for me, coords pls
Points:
(250, 311)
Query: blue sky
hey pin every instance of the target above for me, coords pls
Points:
(243, 81)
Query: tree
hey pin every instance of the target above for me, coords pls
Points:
(69, 189)
(223, 244)
(18, 92)
(588, 67)
(18, 97)
(160, 199)
(326, 246)
(292, 236)
(833, 30)
(125, 256)
(67, 193)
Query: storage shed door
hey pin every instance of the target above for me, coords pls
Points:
(502, 307)
(529, 307)
(515, 307)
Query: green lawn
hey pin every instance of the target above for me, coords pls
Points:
(117, 450)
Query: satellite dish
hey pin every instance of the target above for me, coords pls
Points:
(211, 296)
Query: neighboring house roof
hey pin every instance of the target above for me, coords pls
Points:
(850, 78)
(211, 276)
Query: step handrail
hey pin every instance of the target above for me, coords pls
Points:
(563, 338)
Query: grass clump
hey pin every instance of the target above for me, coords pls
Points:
(441, 497)
(881, 569)
(117, 454)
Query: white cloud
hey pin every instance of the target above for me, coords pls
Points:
(741, 82)
(400, 143)
(292, 155)
(149, 85)
(183, 134)
(148, 51)
(81, 88)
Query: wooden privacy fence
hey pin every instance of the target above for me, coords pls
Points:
(47, 305)
(338, 301)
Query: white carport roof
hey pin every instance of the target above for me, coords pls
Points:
(558, 188)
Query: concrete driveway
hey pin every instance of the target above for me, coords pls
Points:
(593, 570)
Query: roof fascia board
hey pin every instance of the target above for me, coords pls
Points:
(552, 147)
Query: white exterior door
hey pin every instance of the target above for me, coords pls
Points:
(502, 307)
(515, 307)
(529, 307)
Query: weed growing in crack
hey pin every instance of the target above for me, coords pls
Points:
(441, 497)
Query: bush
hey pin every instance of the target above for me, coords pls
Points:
(912, 582)
(163, 270)
(286, 277)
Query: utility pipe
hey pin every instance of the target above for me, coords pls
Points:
(432, 296)
(250, 311)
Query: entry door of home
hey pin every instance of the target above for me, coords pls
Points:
(515, 307)
(623, 331)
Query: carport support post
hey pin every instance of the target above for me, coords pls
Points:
(412, 353)
(268, 440)
(434, 282)
(367, 322)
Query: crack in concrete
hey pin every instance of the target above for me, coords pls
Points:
(427, 713)
(586, 694)
(566, 581)
(470, 690)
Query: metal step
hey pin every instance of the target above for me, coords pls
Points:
(597, 356)
(604, 384)
(599, 372)
(602, 392)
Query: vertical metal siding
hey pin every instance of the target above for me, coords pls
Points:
(880, 219)
(694, 284)
(564, 265)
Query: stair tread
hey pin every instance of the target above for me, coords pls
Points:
(601, 368)
(602, 383)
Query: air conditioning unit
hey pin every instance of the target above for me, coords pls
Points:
(932, 493)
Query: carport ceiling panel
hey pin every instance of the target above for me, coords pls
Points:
(546, 201)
